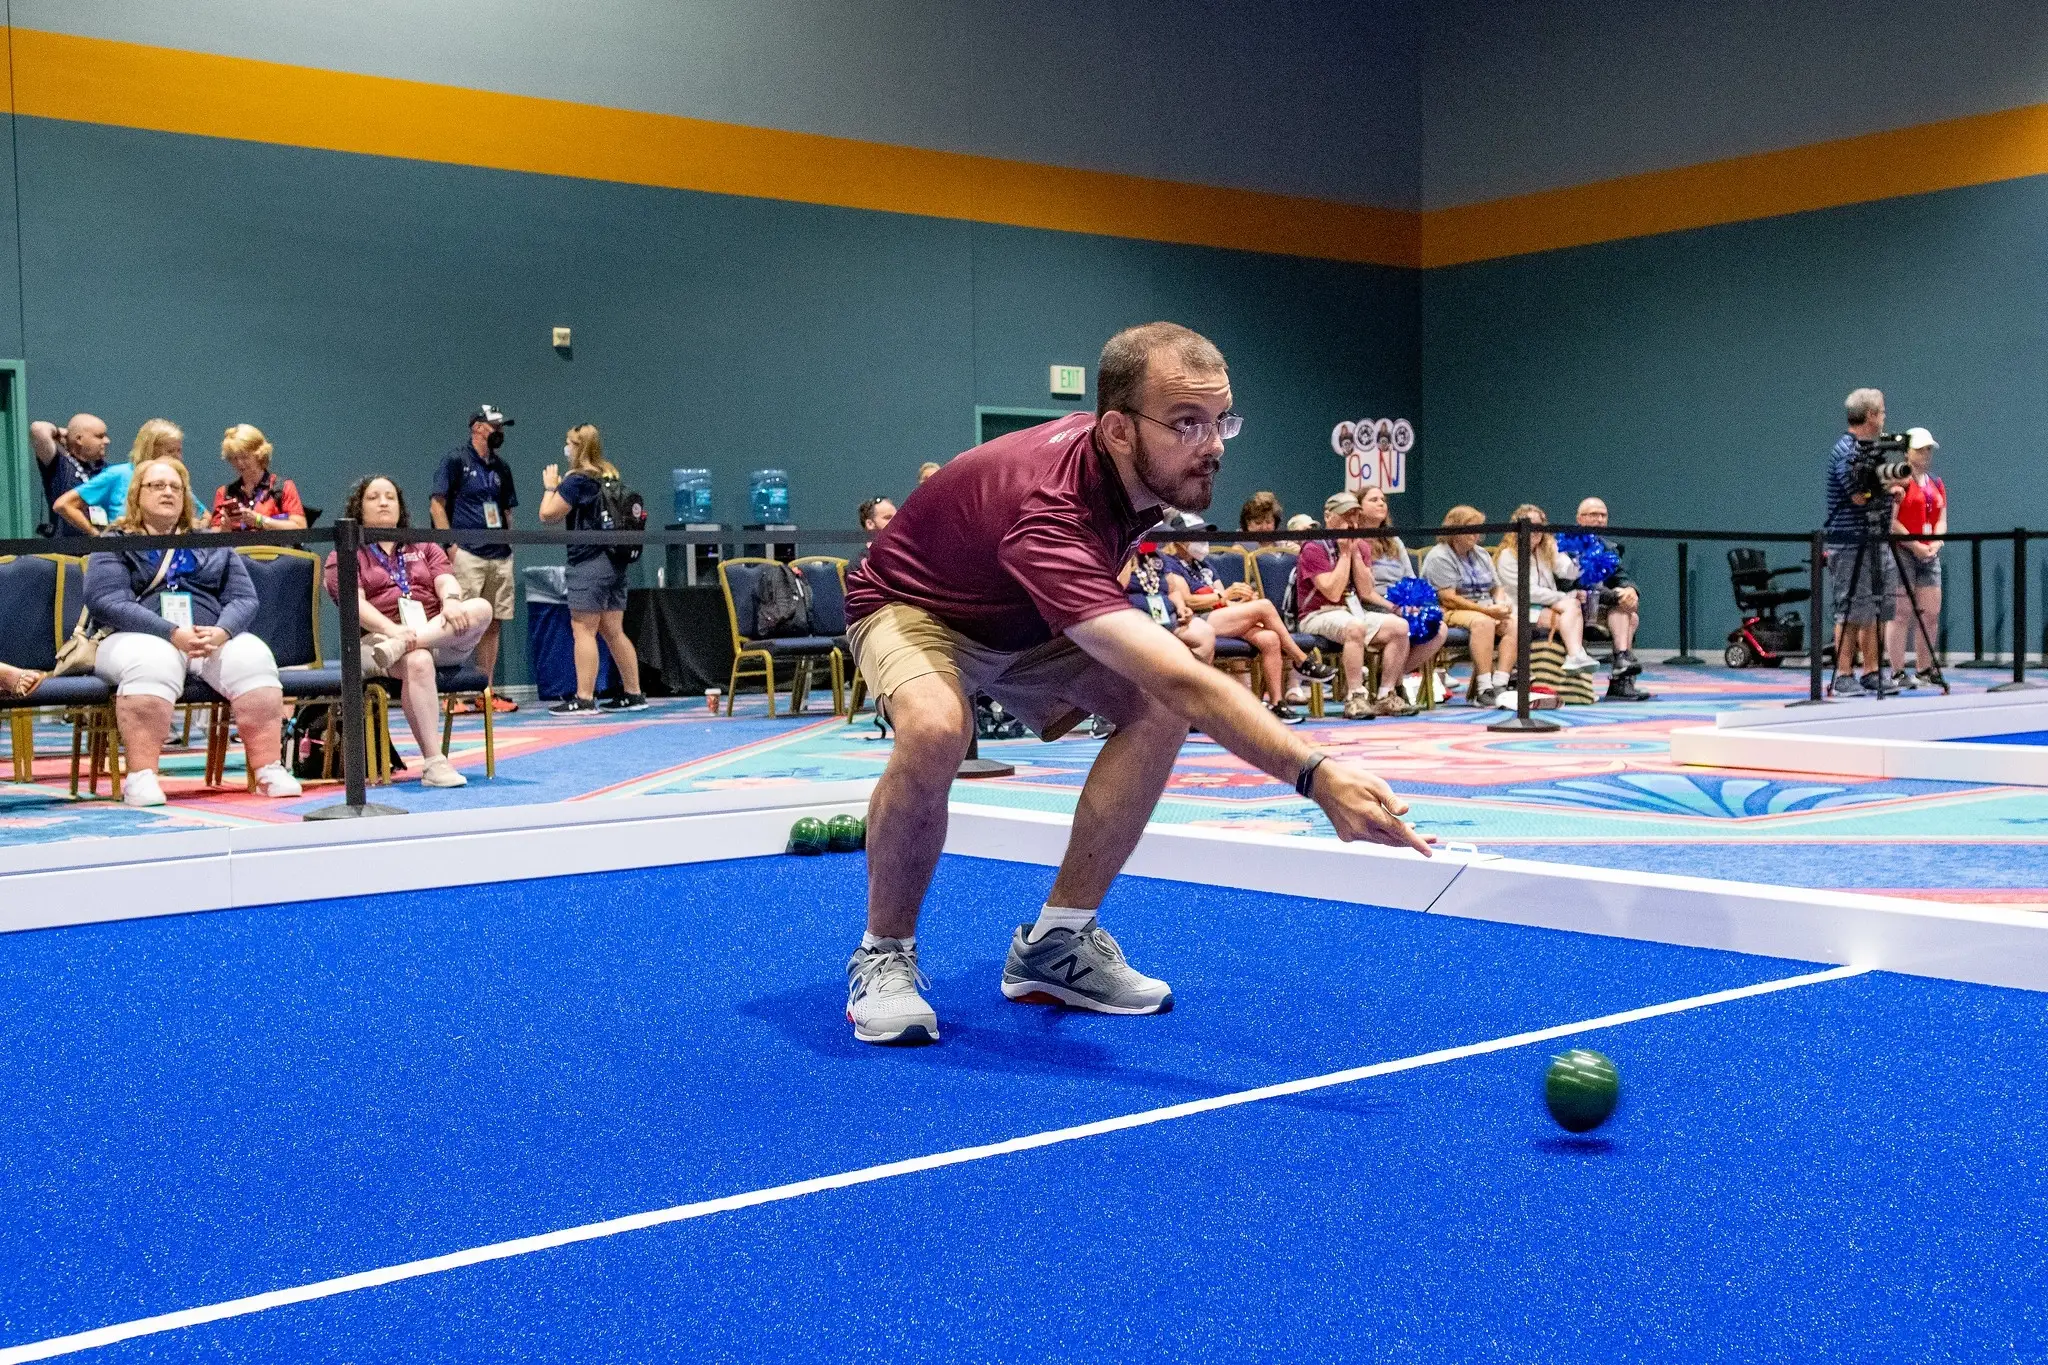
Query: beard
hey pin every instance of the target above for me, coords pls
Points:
(1188, 485)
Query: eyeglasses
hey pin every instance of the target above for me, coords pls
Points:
(160, 486)
(1194, 433)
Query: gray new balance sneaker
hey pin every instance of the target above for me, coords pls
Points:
(1086, 970)
(882, 1002)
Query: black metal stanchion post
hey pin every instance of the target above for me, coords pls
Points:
(347, 540)
(1525, 640)
(1817, 580)
(1977, 659)
(2019, 681)
(1685, 658)
(974, 765)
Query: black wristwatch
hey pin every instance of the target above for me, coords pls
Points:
(1305, 780)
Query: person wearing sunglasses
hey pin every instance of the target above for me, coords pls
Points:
(176, 614)
(1000, 576)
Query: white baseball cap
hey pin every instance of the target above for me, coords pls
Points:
(1920, 438)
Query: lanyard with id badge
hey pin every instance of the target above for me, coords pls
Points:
(172, 604)
(411, 613)
(494, 518)
(1152, 582)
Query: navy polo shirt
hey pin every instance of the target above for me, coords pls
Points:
(60, 476)
(476, 481)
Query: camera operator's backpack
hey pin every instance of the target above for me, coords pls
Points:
(619, 508)
(782, 603)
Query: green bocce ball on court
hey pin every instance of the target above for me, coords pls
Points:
(809, 835)
(848, 833)
(1581, 1089)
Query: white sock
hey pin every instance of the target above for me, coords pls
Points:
(870, 941)
(1058, 917)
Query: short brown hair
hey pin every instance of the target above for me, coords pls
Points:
(1121, 371)
(1464, 514)
(1259, 507)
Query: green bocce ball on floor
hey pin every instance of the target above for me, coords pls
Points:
(1581, 1089)
(809, 835)
(848, 833)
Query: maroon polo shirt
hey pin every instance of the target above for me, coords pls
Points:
(1011, 543)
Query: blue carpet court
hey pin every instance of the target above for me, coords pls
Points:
(1839, 1165)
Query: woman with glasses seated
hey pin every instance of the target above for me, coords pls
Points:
(414, 616)
(177, 614)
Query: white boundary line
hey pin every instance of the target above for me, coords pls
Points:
(867, 1175)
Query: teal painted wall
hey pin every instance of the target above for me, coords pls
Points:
(1697, 378)
(356, 308)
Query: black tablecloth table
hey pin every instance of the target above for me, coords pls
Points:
(683, 638)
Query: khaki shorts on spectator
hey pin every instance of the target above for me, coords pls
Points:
(1329, 622)
(1051, 688)
(1460, 619)
(488, 579)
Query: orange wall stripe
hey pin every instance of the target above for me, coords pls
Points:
(94, 80)
(1978, 150)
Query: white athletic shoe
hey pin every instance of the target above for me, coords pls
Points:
(142, 789)
(275, 781)
(882, 1002)
(439, 772)
(1581, 662)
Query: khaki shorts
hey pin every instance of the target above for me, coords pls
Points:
(1460, 618)
(488, 579)
(1051, 687)
(1328, 623)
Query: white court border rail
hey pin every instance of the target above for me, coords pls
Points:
(1899, 737)
(89, 881)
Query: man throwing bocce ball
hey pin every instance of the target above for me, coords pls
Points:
(999, 576)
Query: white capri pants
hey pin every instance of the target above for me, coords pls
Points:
(139, 665)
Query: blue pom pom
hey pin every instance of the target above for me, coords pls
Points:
(1596, 561)
(1416, 600)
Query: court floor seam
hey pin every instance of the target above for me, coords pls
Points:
(498, 1251)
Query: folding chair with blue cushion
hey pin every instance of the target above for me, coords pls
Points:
(754, 658)
(825, 575)
(35, 617)
(1272, 575)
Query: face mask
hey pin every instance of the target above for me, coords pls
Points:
(569, 454)
(495, 439)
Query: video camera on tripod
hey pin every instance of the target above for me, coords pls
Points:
(1879, 462)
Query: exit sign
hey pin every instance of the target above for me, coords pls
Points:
(1069, 381)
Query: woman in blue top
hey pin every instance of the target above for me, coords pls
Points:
(177, 614)
(102, 500)
(596, 582)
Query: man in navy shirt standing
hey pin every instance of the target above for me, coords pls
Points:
(473, 491)
(68, 456)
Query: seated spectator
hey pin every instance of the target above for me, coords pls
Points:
(1158, 586)
(1616, 605)
(1550, 607)
(927, 469)
(19, 682)
(257, 500)
(68, 456)
(1328, 579)
(873, 515)
(1391, 563)
(1465, 583)
(597, 576)
(414, 617)
(1298, 523)
(176, 613)
(1238, 612)
(102, 500)
(1263, 512)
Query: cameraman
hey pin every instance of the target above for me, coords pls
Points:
(1852, 523)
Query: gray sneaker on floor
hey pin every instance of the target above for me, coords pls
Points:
(882, 1002)
(1085, 970)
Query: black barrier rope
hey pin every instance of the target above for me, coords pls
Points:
(347, 538)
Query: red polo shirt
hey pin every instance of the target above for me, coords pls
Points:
(1011, 543)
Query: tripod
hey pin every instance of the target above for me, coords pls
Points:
(1880, 531)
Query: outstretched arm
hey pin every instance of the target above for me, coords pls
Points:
(1359, 805)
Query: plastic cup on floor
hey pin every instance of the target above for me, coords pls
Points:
(711, 698)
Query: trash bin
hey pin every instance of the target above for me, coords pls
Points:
(550, 644)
